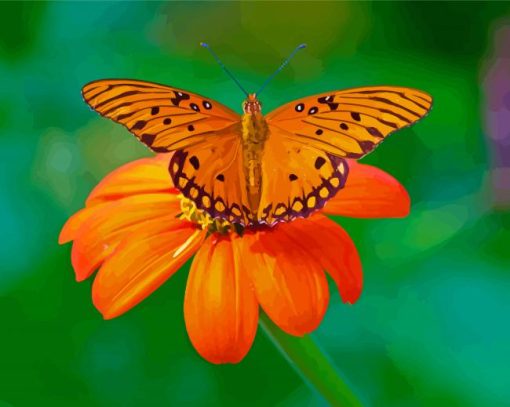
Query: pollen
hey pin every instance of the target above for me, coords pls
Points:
(202, 219)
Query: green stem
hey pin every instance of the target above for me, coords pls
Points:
(312, 364)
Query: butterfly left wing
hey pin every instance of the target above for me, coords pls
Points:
(162, 117)
(211, 175)
(352, 122)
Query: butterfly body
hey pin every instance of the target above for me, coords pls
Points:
(253, 169)
(254, 134)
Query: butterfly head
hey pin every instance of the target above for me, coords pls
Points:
(251, 104)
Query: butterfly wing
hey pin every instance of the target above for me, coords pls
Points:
(352, 122)
(211, 175)
(297, 179)
(163, 118)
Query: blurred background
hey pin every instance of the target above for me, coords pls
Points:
(432, 326)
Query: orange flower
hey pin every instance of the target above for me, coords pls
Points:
(130, 230)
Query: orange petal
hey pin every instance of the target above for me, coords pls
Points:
(220, 309)
(328, 243)
(74, 223)
(140, 265)
(369, 193)
(144, 176)
(290, 286)
(110, 223)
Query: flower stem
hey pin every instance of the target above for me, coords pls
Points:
(312, 364)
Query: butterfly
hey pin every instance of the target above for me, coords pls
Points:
(252, 169)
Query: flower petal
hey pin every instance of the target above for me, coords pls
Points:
(220, 309)
(141, 264)
(144, 176)
(74, 223)
(110, 223)
(369, 193)
(290, 286)
(328, 243)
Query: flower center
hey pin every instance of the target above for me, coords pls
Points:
(191, 213)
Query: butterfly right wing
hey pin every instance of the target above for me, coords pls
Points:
(297, 179)
(211, 175)
(162, 117)
(351, 122)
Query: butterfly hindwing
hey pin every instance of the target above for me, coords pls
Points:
(211, 175)
(352, 122)
(163, 118)
(297, 179)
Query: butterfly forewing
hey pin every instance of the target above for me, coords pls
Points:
(352, 122)
(163, 118)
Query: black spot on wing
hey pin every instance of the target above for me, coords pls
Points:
(179, 97)
(160, 149)
(148, 139)
(140, 124)
(366, 146)
(374, 131)
(319, 162)
(195, 163)
(329, 101)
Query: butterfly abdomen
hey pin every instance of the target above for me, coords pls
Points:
(254, 136)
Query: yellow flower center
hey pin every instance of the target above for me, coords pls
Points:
(191, 213)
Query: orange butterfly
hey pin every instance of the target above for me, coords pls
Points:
(254, 169)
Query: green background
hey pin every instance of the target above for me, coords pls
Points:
(432, 326)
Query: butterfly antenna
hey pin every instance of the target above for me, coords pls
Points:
(203, 44)
(281, 67)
